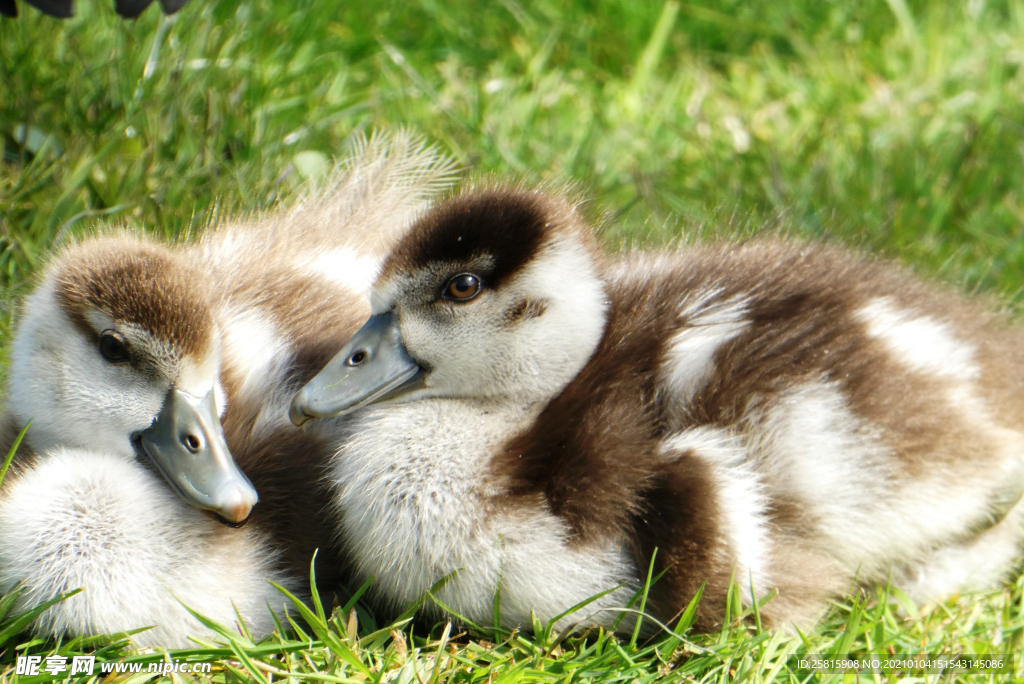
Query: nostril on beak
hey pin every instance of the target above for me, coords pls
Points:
(357, 358)
(191, 442)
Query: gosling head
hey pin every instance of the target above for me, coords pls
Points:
(492, 296)
(118, 352)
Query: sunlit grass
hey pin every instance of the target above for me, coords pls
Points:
(349, 646)
(890, 125)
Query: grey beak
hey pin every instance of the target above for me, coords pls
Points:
(374, 365)
(186, 442)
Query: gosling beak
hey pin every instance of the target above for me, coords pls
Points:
(372, 366)
(186, 443)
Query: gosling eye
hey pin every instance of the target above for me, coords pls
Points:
(113, 347)
(462, 287)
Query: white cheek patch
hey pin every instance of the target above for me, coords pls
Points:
(60, 382)
(539, 358)
(255, 351)
(689, 360)
(383, 295)
(741, 499)
(476, 354)
(345, 267)
(919, 342)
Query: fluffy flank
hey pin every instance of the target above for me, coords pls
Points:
(115, 530)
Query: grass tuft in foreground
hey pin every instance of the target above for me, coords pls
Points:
(348, 646)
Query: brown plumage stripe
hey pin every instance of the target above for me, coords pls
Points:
(139, 283)
(288, 473)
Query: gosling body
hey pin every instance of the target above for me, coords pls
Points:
(115, 326)
(794, 417)
(230, 315)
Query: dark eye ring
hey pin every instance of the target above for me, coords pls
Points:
(462, 287)
(113, 347)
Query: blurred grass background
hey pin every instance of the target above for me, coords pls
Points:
(892, 125)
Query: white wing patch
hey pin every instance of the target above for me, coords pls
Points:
(689, 361)
(921, 343)
(925, 345)
(255, 351)
(815, 450)
(860, 505)
(346, 267)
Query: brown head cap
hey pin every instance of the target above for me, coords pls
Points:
(509, 226)
(136, 283)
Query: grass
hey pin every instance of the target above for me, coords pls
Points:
(892, 125)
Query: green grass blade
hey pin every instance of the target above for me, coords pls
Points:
(376, 639)
(454, 613)
(435, 675)
(250, 665)
(850, 634)
(10, 454)
(643, 594)
(18, 623)
(686, 621)
(230, 635)
(7, 601)
(755, 603)
(315, 594)
(415, 606)
(579, 606)
(278, 625)
(363, 588)
(496, 608)
(324, 633)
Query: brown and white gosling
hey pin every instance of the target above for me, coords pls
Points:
(538, 417)
(116, 363)
(124, 340)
